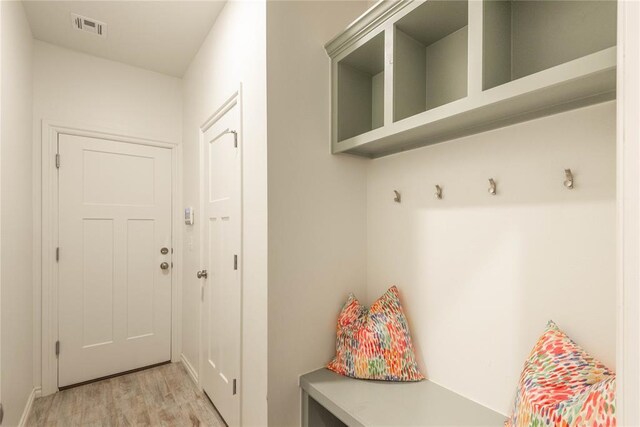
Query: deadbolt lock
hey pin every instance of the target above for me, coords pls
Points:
(164, 251)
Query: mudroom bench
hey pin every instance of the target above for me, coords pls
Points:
(331, 400)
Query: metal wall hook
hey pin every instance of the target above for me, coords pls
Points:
(397, 197)
(492, 187)
(438, 193)
(568, 182)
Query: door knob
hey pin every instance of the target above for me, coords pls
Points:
(202, 273)
(164, 266)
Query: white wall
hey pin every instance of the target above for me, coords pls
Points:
(317, 201)
(480, 276)
(74, 87)
(17, 252)
(78, 89)
(233, 53)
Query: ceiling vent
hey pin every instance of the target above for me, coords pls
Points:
(89, 25)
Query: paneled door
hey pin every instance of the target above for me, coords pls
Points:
(221, 255)
(114, 292)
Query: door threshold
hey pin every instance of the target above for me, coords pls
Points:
(155, 365)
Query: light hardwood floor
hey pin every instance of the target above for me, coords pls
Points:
(160, 396)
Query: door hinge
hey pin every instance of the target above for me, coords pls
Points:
(235, 138)
(235, 262)
(57, 348)
(235, 389)
(57, 254)
(57, 161)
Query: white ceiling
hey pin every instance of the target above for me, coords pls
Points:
(162, 36)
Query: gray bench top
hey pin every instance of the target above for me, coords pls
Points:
(381, 403)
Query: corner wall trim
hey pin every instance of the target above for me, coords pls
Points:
(27, 408)
(192, 372)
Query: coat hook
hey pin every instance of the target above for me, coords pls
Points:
(397, 198)
(568, 182)
(438, 193)
(492, 187)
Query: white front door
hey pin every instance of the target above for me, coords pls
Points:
(221, 255)
(114, 219)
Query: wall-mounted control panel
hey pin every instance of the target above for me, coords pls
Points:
(188, 216)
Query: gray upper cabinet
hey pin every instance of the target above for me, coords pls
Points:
(412, 73)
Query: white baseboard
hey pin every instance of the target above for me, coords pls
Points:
(27, 408)
(189, 367)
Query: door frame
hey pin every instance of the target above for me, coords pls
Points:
(628, 211)
(234, 100)
(49, 236)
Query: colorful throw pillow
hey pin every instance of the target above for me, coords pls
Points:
(375, 343)
(562, 385)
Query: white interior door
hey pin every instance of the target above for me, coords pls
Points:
(221, 255)
(114, 302)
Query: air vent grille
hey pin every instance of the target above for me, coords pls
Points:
(89, 25)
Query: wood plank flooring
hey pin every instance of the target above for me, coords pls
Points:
(160, 396)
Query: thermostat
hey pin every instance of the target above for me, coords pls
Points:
(188, 216)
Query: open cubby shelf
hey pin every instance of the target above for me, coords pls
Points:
(430, 57)
(521, 38)
(361, 89)
(412, 73)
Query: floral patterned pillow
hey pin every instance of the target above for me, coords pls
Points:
(562, 385)
(374, 343)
